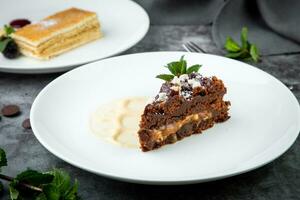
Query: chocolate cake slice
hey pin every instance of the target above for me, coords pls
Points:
(186, 104)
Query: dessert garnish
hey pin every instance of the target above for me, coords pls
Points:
(31, 184)
(19, 23)
(186, 104)
(246, 51)
(178, 68)
(8, 46)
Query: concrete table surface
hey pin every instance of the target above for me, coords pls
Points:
(277, 180)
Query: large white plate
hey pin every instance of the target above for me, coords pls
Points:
(123, 23)
(264, 123)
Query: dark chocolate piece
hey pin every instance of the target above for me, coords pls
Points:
(26, 124)
(10, 110)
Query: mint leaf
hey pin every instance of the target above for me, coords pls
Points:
(14, 194)
(246, 52)
(8, 30)
(3, 160)
(61, 187)
(41, 196)
(172, 68)
(194, 68)
(34, 178)
(72, 192)
(177, 68)
(231, 45)
(183, 65)
(239, 54)
(4, 43)
(244, 37)
(166, 77)
(29, 177)
(254, 53)
(51, 192)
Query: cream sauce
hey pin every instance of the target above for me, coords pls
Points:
(118, 121)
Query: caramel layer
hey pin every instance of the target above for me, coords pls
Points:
(163, 132)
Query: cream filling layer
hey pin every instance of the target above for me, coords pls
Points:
(64, 41)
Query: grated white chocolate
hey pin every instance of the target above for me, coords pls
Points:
(184, 85)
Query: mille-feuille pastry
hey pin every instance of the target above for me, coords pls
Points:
(58, 33)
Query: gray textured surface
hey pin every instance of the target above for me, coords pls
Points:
(277, 180)
(181, 12)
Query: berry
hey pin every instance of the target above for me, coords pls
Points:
(11, 51)
(19, 23)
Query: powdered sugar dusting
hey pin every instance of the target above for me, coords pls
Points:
(47, 23)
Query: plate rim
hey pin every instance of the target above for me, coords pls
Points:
(233, 172)
(66, 67)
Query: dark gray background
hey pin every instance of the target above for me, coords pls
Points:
(277, 180)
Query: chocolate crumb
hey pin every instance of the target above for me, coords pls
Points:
(202, 93)
(10, 110)
(26, 124)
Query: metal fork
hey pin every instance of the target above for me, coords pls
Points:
(192, 47)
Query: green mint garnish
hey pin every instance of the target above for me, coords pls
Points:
(3, 160)
(245, 51)
(4, 43)
(5, 39)
(31, 184)
(8, 30)
(178, 68)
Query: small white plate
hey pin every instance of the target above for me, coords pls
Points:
(123, 23)
(264, 123)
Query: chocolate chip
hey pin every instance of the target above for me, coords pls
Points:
(26, 124)
(10, 110)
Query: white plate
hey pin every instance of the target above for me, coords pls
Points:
(264, 123)
(123, 23)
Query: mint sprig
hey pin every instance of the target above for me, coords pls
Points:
(60, 188)
(6, 38)
(8, 30)
(3, 162)
(4, 43)
(3, 159)
(178, 68)
(245, 51)
(32, 184)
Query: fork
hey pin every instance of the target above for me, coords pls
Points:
(192, 47)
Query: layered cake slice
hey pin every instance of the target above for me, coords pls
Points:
(186, 104)
(58, 33)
